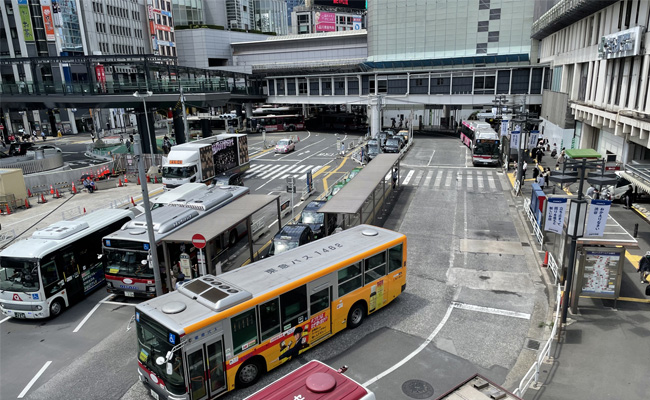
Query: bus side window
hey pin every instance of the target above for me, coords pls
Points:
(50, 275)
(375, 267)
(349, 279)
(294, 307)
(69, 265)
(395, 258)
(319, 301)
(270, 319)
(244, 331)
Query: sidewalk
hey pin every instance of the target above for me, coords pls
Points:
(603, 352)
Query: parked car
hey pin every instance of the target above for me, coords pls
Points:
(383, 136)
(394, 144)
(285, 146)
(373, 148)
(290, 237)
(316, 220)
(404, 134)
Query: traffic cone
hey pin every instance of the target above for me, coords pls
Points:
(545, 263)
(56, 194)
(126, 180)
(132, 202)
(148, 179)
(84, 210)
(8, 210)
(155, 179)
(42, 201)
(51, 190)
(74, 188)
(27, 205)
(29, 193)
(139, 181)
(119, 183)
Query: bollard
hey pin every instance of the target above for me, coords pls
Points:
(636, 229)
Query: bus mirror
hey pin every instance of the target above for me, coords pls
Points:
(169, 369)
(169, 355)
(160, 360)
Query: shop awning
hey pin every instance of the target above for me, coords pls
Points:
(638, 182)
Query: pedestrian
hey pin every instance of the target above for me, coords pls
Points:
(590, 191)
(547, 177)
(395, 176)
(166, 145)
(58, 133)
(342, 149)
(43, 135)
(2, 141)
(554, 152)
(535, 173)
(539, 155)
(34, 136)
(596, 194)
(128, 146)
(644, 267)
(541, 181)
(560, 159)
(627, 197)
(524, 167)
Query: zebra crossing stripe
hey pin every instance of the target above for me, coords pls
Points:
(448, 180)
(265, 170)
(427, 180)
(316, 168)
(470, 180)
(418, 178)
(479, 179)
(491, 182)
(276, 172)
(408, 177)
(459, 180)
(438, 178)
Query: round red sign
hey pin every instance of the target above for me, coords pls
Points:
(198, 241)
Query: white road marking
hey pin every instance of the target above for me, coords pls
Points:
(490, 310)
(459, 179)
(6, 319)
(427, 180)
(470, 180)
(430, 158)
(277, 171)
(34, 379)
(415, 352)
(438, 178)
(479, 179)
(418, 178)
(117, 303)
(491, 183)
(408, 177)
(313, 144)
(448, 180)
(91, 313)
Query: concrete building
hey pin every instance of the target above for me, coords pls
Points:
(600, 57)
(327, 16)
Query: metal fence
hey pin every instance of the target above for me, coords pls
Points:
(33, 166)
(533, 222)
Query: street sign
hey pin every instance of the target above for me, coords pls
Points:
(198, 241)
(291, 184)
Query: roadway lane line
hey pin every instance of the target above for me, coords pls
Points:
(8, 318)
(34, 379)
(91, 313)
(117, 303)
(416, 351)
(302, 159)
(430, 158)
(490, 310)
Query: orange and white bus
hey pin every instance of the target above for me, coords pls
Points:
(218, 333)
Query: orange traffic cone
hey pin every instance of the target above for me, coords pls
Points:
(29, 193)
(155, 179)
(148, 179)
(126, 179)
(74, 188)
(139, 181)
(8, 210)
(132, 202)
(119, 183)
(27, 205)
(56, 194)
(42, 201)
(51, 190)
(84, 210)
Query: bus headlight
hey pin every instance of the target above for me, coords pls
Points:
(38, 308)
(151, 289)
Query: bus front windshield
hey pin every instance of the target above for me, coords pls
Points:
(179, 172)
(152, 344)
(126, 263)
(486, 148)
(18, 275)
(310, 217)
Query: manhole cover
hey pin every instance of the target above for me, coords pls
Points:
(532, 344)
(417, 389)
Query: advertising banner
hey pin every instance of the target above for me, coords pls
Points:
(514, 139)
(243, 149)
(504, 127)
(555, 211)
(356, 23)
(597, 217)
(325, 22)
(532, 141)
(357, 4)
(56, 11)
(207, 162)
(26, 20)
(100, 75)
(48, 22)
(225, 154)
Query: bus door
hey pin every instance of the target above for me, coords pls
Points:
(320, 300)
(206, 369)
(74, 284)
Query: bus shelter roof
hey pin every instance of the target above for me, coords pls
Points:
(614, 235)
(352, 196)
(224, 218)
(576, 154)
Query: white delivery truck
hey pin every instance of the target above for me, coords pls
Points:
(201, 161)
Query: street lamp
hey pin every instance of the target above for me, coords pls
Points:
(143, 96)
(578, 210)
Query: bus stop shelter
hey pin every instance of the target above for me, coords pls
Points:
(363, 199)
(229, 234)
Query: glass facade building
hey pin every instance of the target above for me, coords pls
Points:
(70, 31)
(271, 16)
(188, 12)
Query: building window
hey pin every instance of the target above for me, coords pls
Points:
(495, 14)
(481, 48)
(483, 26)
(483, 4)
(493, 37)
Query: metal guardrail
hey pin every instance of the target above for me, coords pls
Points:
(544, 353)
(33, 166)
(533, 222)
(639, 172)
(552, 265)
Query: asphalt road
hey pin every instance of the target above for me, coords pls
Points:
(473, 298)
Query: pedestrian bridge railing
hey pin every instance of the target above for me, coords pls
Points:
(533, 222)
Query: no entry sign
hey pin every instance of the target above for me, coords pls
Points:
(198, 241)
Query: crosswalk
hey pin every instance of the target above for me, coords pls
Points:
(273, 171)
(452, 179)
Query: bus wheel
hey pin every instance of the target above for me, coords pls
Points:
(249, 373)
(233, 237)
(291, 129)
(56, 308)
(356, 315)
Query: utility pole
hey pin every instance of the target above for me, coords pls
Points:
(185, 128)
(153, 251)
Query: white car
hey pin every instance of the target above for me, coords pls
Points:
(285, 146)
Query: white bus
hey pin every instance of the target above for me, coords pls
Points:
(126, 251)
(56, 266)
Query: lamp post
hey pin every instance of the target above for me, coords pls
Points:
(143, 96)
(577, 211)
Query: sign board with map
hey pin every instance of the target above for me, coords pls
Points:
(600, 272)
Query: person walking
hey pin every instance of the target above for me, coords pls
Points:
(43, 135)
(535, 173)
(541, 181)
(560, 159)
(539, 155)
(523, 174)
(627, 197)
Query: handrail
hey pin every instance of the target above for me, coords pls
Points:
(544, 353)
(533, 222)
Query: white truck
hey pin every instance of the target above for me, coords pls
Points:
(202, 160)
